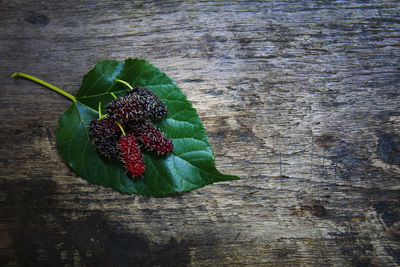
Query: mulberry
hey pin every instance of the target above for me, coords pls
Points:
(152, 138)
(105, 135)
(155, 108)
(127, 108)
(131, 156)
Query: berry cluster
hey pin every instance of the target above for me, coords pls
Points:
(133, 113)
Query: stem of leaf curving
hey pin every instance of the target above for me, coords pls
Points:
(43, 83)
(123, 82)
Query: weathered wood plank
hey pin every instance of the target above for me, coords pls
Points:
(300, 99)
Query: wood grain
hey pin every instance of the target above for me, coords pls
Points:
(299, 98)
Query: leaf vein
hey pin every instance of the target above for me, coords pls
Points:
(183, 177)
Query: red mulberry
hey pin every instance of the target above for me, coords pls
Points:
(105, 135)
(155, 108)
(152, 138)
(131, 156)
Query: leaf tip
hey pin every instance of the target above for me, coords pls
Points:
(14, 75)
(229, 178)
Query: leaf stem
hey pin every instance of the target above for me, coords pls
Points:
(122, 129)
(99, 110)
(43, 83)
(127, 84)
(115, 97)
(102, 117)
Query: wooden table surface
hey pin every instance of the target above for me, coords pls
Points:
(299, 98)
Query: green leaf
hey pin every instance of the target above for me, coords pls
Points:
(190, 165)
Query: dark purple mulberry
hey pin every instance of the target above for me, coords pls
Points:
(155, 108)
(105, 135)
(140, 104)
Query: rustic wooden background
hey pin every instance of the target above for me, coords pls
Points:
(299, 98)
